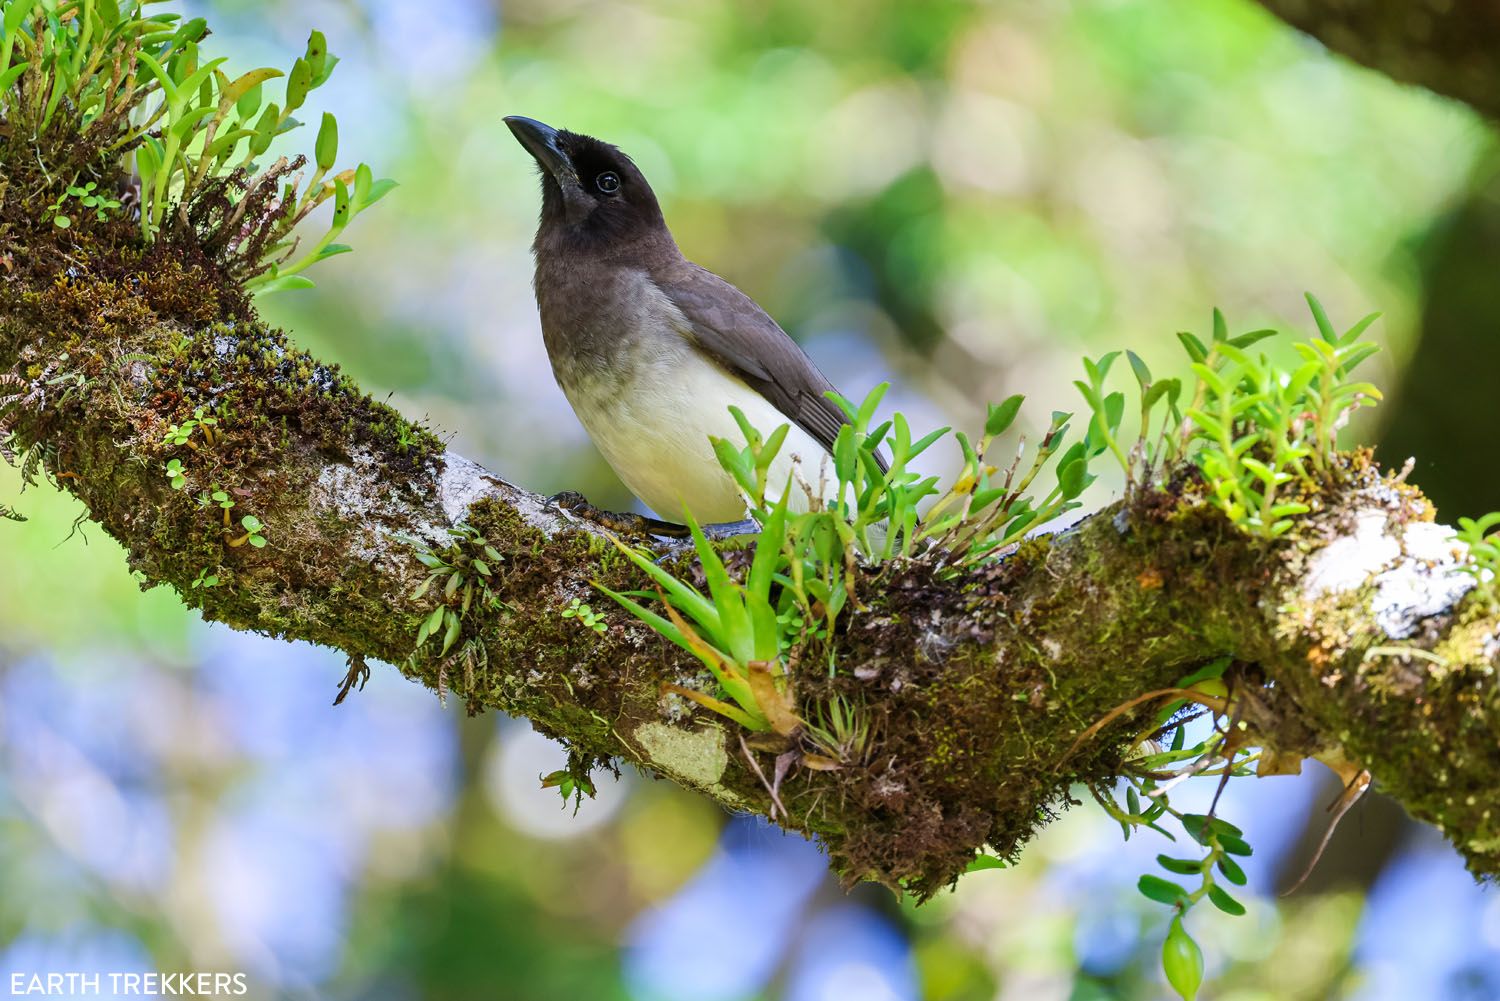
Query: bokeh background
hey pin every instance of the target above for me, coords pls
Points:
(959, 197)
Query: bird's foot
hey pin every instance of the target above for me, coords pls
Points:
(638, 525)
(626, 524)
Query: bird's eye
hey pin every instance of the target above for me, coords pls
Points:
(608, 182)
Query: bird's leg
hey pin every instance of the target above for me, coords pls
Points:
(638, 525)
(620, 523)
(732, 529)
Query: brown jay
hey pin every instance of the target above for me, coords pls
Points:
(650, 349)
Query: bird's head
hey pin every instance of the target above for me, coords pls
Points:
(592, 194)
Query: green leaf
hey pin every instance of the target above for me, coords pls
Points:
(1074, 478)
(1321, 319)
(298, 82)
(982, 862)
(1183, 867)
(200, 77)
(328, 142)
(1182, 961)
(265, 129)
(1114, 411)
(845, 455)
(251, 523)
(734, 619)
(1202, 827)
(284, 283)
(696, 606)
(257, 542)
(921, 445)
(1235, 845)
(768, 550)
(317, 51)
(319, 58)
(1351, 357)
(245, 91)
(249, 102)
(866, 412)
(450, 635)
(1193, 346)
(340, 205)
(16, 14)
(771, 447)
(1001, 415)
(1221, 899)
(658, 623)
(1142, 373)
(1352, 334)
(168, 86)
(1157, 391)
(1221, 327)
(378, 190)
(1213, 669)
(1253, 337)
(13, 74)
(1163, 891)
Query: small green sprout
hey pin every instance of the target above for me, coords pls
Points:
(176, 475)
(254, 533)
(573, 781)
(840, 729)
(591, 619)
(87, 197)
(225, 502)
(182, 434)
(569, 785)
(204, 580)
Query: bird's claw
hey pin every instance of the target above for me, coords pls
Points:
(627, 524)
(637, 525)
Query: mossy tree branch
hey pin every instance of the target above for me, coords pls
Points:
(1355, 637)
(1447, 47)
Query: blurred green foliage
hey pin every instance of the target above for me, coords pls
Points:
(963, 198)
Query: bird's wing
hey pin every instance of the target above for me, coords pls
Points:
(738, 334)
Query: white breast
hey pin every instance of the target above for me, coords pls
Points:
(652, 419)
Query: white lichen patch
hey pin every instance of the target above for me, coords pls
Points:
(1347, 562)
(696, 757)
(460, 484)
(358, 493)
(1414, 569)
(463, 482)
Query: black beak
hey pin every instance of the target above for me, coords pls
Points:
(541, 142)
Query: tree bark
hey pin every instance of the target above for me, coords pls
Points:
(1447, 47)
(1356, 638)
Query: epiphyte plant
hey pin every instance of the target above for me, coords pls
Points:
(143, 94)
(1255, 440)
